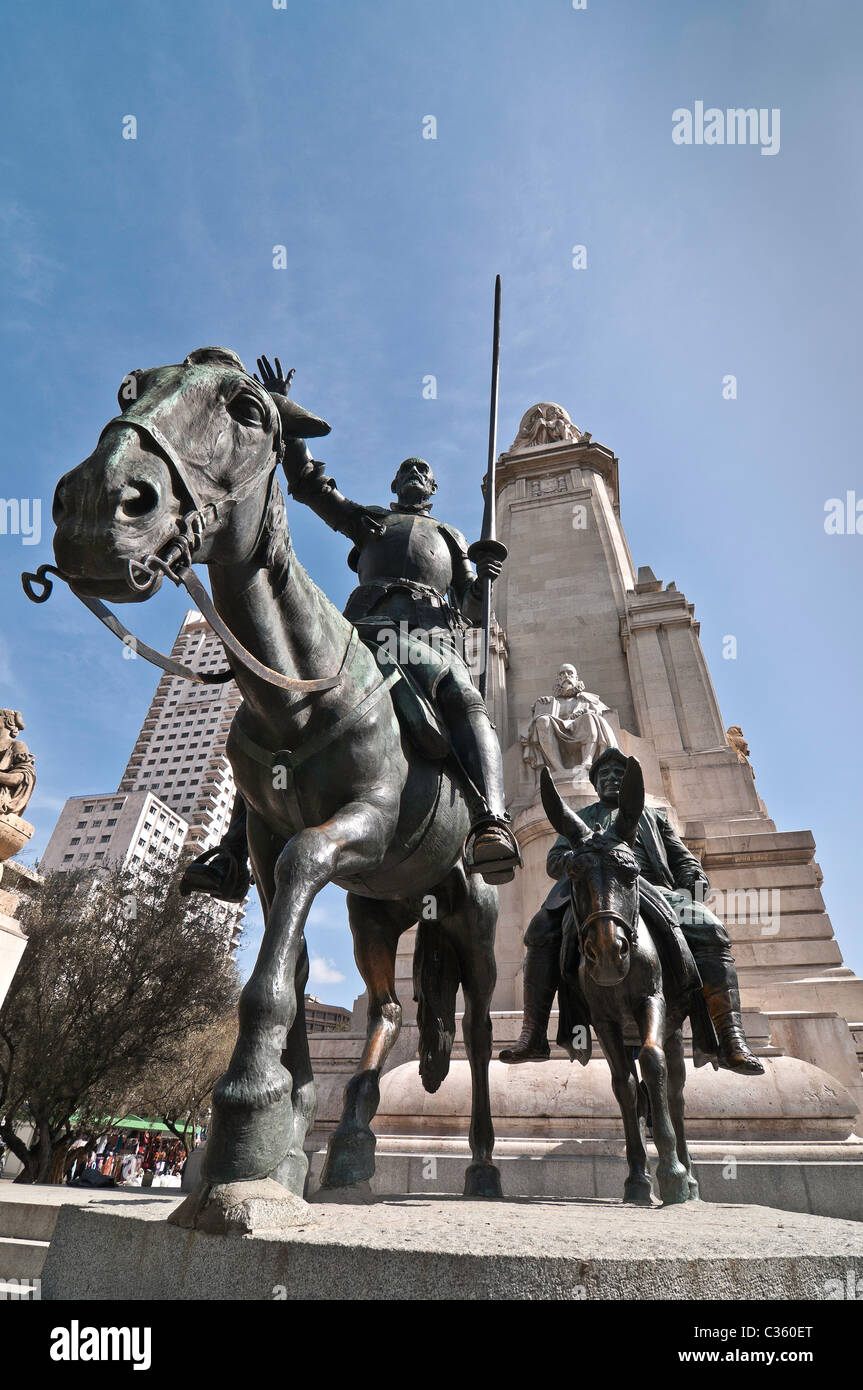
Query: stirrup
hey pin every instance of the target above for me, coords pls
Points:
(495, 867)
(199, 878)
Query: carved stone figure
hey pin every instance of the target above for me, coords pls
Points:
(739, 744)
(545, 423)
(567, 730)
(17, 767)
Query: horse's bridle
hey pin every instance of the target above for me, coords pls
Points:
(175, 560)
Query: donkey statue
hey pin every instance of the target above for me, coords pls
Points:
(336, 791)
(616, 976)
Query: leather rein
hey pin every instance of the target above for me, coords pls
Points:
(175, 560)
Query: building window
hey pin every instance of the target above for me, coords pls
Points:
(103, 839)
(80, 825)
(111, 822)
(76, 840)
(67, 858)
(90, 840)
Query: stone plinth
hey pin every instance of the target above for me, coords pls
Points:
(439, 1248)
(563, 1100)
(12, 944)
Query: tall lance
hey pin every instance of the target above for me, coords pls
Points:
(488, 545)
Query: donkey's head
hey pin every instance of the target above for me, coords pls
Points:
(604, 874)
(192, 456)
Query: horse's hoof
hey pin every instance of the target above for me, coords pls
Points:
(239, 1208)
(356, 1194)
(482, 1180)
(350, 1158)
(673, 1186)
(292, 1172)
(694, 1192)
(246, 1144)
(637, 1192)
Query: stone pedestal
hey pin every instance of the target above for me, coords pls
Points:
(15, 834)
(439, 1249)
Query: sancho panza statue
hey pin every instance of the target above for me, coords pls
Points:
(567, 729)
(414, 578)
(667, 869)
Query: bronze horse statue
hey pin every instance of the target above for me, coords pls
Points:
(620, 981)
(335, 791)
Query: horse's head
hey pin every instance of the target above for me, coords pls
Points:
(604, 874)
(197, 441)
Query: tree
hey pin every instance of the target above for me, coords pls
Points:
(117, 973)
(177, 1089)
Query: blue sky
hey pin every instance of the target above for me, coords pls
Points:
(303, 128)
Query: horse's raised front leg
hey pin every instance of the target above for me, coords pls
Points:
(671, 1175)
(470, 923)
(676, 1081)
(253, 1127)
(636, 1189)
(376, 928)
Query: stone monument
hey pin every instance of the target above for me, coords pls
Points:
(17, 780)
(570, 586)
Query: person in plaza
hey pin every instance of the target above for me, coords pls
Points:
(418, 593)
(667, 868)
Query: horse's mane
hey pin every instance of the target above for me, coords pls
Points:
(277, 540)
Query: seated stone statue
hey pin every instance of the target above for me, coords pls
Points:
(17, 767)
(675, 874)
(567, 729)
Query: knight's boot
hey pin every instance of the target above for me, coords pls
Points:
(491, 848)
(540, 983)
(723, 1003)
(223, 871)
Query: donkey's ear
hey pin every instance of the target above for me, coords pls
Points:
(564, 821)
(630, 803)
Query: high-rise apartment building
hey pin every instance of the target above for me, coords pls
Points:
(177, 790)
(179, 754)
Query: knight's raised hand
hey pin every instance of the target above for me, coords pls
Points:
(274, 379)
(297, 462)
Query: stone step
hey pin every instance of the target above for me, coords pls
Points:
(28, 1220)
(22, 1259)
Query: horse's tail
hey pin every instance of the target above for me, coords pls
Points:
(436, 982)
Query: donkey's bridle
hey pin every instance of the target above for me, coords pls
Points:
(175, 561)
(630, 927)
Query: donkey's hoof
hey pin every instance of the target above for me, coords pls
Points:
(350, 1158)
(239, 1208)
(482, 1180)
(637, 1192)
(673, 1186)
